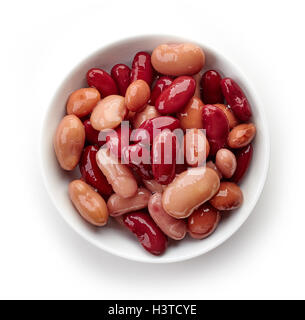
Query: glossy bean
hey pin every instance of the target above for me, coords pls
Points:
(142, 68)
(196, 147)
(243, 159)
(241, 135)
(173, 228)
(189, 190)
(154, 186)
(191, 115)
(212, 165)
(161, 84)
(90, 205)
(178, 59)
(211, 89)
(91, 134)
(102, 81)
(108, 113)
(197, 78)
(137, 95)
(69, 142)
(164, 157)
(118, 205)
(203, 221)
(236, 98)
(226, 162)
(233, 121)
(118, 140)
(121, 75)
(149, 112)
(148, 233)
(174, 98)
(82, 101)
(228, 197)
(216, 125)
(118, 175)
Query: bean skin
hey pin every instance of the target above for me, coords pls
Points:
(243, 158)
(226, 162)
(211, 89)
(149, 112)
(161, 84)
(102, 81)
(154, 186)
(212, 165)
(241, 135)
(191, 115)
(137, 95)
(121, 75)
(142, 68)
(233, 121)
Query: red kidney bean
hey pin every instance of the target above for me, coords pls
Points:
(216, 125)
(164, 157)
(243, 159)
(148, 233)
(156, 125)
(138, 158)
(102, 81)
(121, 75)
(142, 68)
(211, 90)
(91, 172)
(161, 84)
(91, 133)
(117, 142)
(236, 99)
(176, 96)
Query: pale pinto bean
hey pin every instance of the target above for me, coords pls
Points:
(137, 95)
(191, 116)
(241, 135)
(189, 190)
(108, 113)
(82, 101)
(90, 205)
(149, 112)
(154, 186)
(178, 59)
(212, 165)
(228, 197)
(226, 162)
(233, 121)
(118, 205)
(196, 147)
(173, 228)
(69, 142)
(118, 175)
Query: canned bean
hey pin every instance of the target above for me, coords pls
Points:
(226, 162)
(241, 135)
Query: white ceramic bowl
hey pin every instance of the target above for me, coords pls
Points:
(113, 238)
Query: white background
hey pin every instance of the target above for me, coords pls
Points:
(41, 257)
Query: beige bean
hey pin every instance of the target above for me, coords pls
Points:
(154, 186)
(228, 197)
(212, 165)
(82, 101)
(69, 142)
(196, 147)
(178, 59)
(233, 121)
(149, 112)
(117, 174)
(191, 116)
(137, 95)
(173, 228)
(226, 162)
(90, 205)
(189, 190)
(118, 205)
(108, 113)
(241, 135)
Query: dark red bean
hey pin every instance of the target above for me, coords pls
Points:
(236, 99)
(176, 96)
(243, 159)
(121, 75)
(148, 233)
(92, 174)
(102, 81)
(161, 84)
(156, 125)
(117, 142)
(142, 68)
(211, 90)
(91, 133)
(138, 158)
(217, 127)
(164, 157)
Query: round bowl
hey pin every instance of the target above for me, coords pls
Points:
(113, 238)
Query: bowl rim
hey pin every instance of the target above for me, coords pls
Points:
(261, 182)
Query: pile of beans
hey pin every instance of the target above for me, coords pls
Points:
(166, 92)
